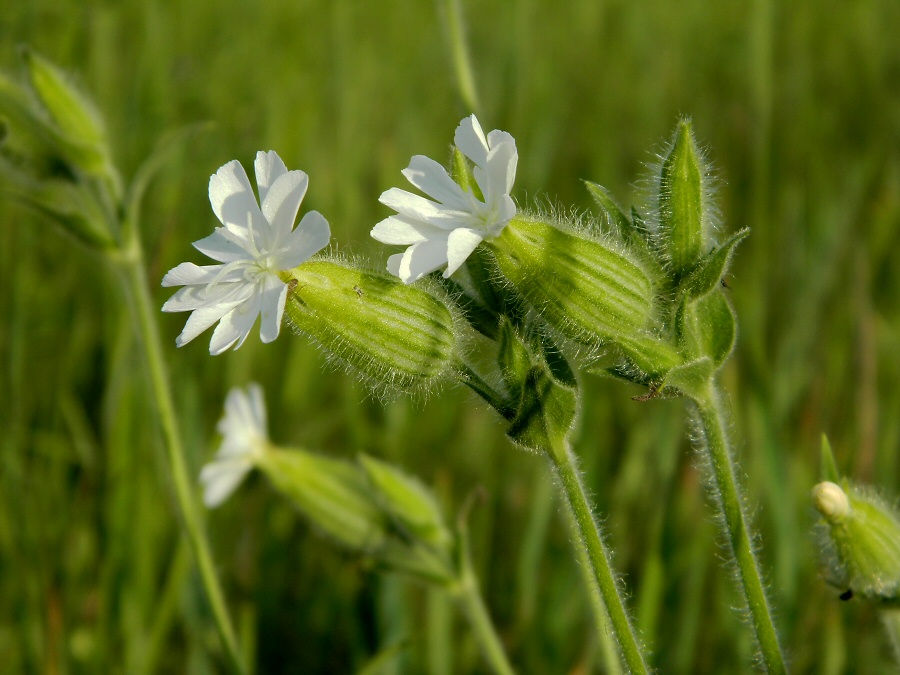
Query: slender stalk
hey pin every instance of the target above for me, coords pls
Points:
(462, 64)
(468, 595)
(132, 265)
(598, 558)
(891, 620)
(728, 499)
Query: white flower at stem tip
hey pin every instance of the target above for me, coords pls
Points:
(445, 229)
(252, 247)
(244, 438)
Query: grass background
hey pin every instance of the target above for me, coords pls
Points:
(799, 107)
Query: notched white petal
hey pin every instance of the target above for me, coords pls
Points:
(268, 167)
(282, 202)
(310, 237)
(460, 245)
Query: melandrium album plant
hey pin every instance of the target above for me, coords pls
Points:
(519, 306)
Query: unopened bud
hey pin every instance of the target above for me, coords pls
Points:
(393, 335)
(334, 494)
(409, 503)
(831, 501)
(865, 533)
(681, 218)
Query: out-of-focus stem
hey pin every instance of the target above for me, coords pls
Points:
(131, 263)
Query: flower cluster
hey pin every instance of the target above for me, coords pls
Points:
(257, 239)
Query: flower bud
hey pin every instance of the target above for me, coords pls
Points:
(682, 222)
(333, 493)
(393, 335)
(581, 286)
(865, 535)
(73, 113)
(409, 503)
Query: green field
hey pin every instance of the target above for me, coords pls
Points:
(797, 106)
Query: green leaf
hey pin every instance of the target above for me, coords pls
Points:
(513, 360)
(681, 202)
(706, 327)
(829, 466)
(691, 379)
(708, 273)
(546, 412)
(461, 172)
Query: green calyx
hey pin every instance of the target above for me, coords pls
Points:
(395, 336)
(370, 507)
(587, 290)
(865, 536)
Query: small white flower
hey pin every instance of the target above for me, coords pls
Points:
(446, 231)
(244, 438)
(253, 246)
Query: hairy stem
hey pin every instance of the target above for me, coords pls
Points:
(598, 559)
(468, 595)
(133, 268)
(728, 499)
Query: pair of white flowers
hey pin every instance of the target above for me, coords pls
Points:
(257, 240)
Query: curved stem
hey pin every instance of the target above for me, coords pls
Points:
(469, 596)
(728, 499)
(132, 265)
(598, 558)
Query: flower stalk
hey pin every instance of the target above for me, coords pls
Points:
(728, 499)
(598, 557)
(133, 270)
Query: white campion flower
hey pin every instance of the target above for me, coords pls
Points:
(253, 246)
(244, 438)
(445, 229)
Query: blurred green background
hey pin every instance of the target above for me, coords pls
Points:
(799, 107)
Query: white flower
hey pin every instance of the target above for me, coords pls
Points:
(244, 438)
(446, 231)
(253, 247)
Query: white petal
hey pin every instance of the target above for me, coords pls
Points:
(188, 273)
(469, 138)
(274, 295)
(269, 168)
(201, 319)
(190, 298)
(235, 326)
(420, 259)
(500, 170)
(220, 479)
(244, 422)
(496, 137)
(235, 205)
(393, 264)
(418, 208)
(219, 246)
(310, 237)
(258, 407)
(281, 204)
(433, 179)
(460, 245)
(402, 230)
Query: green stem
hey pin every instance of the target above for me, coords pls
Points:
(132, 265)
(728, 499)
(462, 65)
(891, 620)
(469, 596)
(598, 557)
